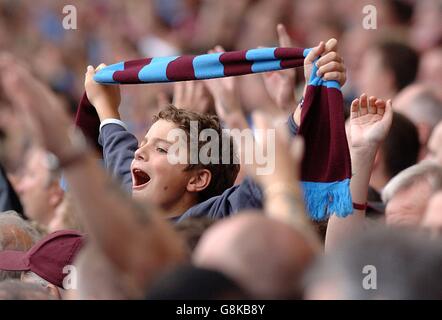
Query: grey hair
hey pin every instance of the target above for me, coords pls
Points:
(14, 289)
(425, 107)
(11, 221)
(426, 170)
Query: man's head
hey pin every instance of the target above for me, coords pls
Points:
(398, 151)
(387, 68)
(15, 234)
(423, 108)
(430, 70)
(407, 194)
(97, 277)
(38, 188)
(379, 264)
(433, 215)
(265, 257)
(180, 186)
(18, 290)
(434, 145)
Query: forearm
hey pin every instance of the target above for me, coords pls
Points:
(106, 111)
(284, 202)
(340, 228)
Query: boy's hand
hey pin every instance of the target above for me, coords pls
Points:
(105, 98)
(330, 65)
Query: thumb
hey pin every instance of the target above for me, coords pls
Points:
(315, 53)
(90, 70)
(331, 45)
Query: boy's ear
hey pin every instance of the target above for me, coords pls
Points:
(199, 180)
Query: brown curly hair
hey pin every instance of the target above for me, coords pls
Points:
(223, 174)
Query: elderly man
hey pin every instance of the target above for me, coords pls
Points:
(15, 234)
(407, 194)
(435, 144)
(39, 189)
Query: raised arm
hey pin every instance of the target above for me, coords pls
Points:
(370, 121)
(138, 241)
(283, 198)
(118, 144)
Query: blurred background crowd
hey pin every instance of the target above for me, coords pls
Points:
(110, 31)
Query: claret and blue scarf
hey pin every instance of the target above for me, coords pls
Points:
(326, 168)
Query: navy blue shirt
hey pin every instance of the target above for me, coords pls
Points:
(119, 147)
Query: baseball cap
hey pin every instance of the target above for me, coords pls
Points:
(47, 258)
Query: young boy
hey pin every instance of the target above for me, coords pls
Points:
(182, 190)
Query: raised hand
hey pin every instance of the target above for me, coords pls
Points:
(105, 98)
(280, 85)
(191, 95)
(370, 121)
(226, 98)
(43, 113)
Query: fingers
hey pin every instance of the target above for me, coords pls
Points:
(329, 57)
(100, 66)
(315, 53)
(354, 109)
(331, 45)
(219, 48)
(330, 67)
(162, 99)
(283, 36)
(178, 93)
(371, 105)
(363, 104)
(380, 107)
(388, 115)
(335, 75)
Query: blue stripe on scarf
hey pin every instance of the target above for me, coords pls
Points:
(208, 66)
(156, 70)
(106, 75)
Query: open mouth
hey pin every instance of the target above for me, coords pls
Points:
(140, 178)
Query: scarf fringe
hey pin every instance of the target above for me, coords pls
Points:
(325, 198)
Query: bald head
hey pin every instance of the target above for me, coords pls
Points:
(266, 257)
(420, 105)
(98, 278)
(435, 144)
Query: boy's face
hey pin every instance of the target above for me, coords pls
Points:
(154, 178)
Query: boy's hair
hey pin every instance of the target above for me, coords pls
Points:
(223, 174)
